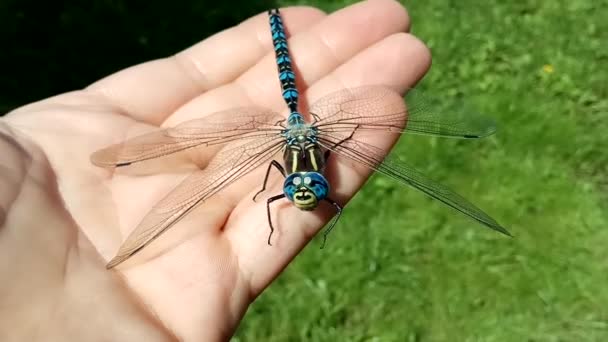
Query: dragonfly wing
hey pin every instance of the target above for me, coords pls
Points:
(376, 159)
(382, 108)
(217, 128)
(227, 166)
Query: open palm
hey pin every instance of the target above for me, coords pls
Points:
(196, 282)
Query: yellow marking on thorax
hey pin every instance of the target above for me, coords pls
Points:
(313, 160)
(294, 160)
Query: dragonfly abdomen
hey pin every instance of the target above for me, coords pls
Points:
(286, 75)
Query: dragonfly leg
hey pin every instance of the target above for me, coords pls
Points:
(270, 200)
(328, 152)
(333, 221)
(315, 117)
(279, 167)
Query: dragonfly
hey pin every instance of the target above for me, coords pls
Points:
(340, 124)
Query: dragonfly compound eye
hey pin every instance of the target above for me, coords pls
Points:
(317, 184)
(306, 189)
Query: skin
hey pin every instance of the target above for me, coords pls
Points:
(62, 218)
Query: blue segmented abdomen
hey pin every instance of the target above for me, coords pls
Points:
(286, 74)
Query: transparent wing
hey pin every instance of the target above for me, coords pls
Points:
(217, 128)
(382, 108)
(374, 158)
(228, 165)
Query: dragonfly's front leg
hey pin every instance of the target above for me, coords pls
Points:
(333, 221)
(270, 200)
(328, 152)
(274, 198)
(279, 167)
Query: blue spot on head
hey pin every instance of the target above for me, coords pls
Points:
(319, 185)
(289, 189)
(313, 181)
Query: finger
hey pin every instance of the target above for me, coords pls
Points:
(315, 53)
(406, 63)
(13, 169)
(327, 45)
(150, 91)
(399, 61)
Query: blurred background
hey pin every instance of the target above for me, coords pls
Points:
(399, 266)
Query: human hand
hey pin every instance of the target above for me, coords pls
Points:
(64, 218)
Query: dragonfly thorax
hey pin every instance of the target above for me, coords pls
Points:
(298, 130)
(303, 155)
(306, 189)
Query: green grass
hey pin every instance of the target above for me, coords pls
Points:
(400, 267)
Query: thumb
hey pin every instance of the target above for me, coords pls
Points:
(36, 228)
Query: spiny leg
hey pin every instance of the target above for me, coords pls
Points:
(315, 117)
(333, 221)
(270, 200)
(328, 152)
(279, 167)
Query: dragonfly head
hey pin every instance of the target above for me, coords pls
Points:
(306, 189)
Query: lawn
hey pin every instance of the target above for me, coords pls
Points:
(401, 267)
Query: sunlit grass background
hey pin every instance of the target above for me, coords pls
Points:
(401, 267)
